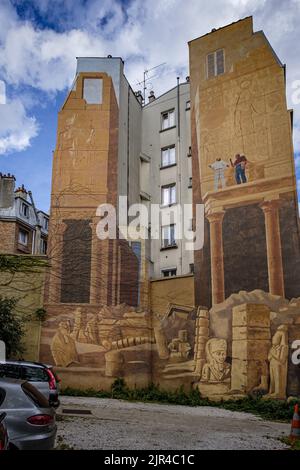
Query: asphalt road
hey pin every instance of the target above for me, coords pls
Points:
(115, 424)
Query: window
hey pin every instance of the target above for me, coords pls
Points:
(24, 209)
(215, 63)
(46, 223)
(169, 272)
(43, 246)
(168, 156)
(23, 237)
(192, 269)
(34, 374)
(92, 90)
(168, 236)
(190, 182)
(168, 194)
(190, 152)
(10, 371)
(188, 105)
(168, 119)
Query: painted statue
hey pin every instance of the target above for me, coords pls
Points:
(278, 357)
(219, 167)
(179, 347)
(216, 368)
(63, 346)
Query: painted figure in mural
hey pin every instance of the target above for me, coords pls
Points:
(239, 166)
(63, 346)
(219, 167)
(179, 347)
(216, 369)
(278, 356)
(91, 331)
(79, 330)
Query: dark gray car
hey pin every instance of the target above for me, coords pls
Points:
(29, 419)
(41, 376)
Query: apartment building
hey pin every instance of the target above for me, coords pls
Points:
(23, 227)
(166, 141)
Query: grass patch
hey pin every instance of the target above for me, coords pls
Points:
(274, 410)
(294, 445)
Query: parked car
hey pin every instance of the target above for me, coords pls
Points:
(3, 433)
(29, 419)
(42, 376)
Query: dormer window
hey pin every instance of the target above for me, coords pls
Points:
(215, 63)
(25, 209)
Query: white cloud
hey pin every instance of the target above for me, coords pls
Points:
(145, 33)
(16, 128)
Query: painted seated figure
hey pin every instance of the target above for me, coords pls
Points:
(179, 347)
(216, 369)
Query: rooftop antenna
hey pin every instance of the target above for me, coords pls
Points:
(148, 78)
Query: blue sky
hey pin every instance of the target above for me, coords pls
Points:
(40, 39)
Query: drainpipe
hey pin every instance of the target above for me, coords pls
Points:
(179, 165)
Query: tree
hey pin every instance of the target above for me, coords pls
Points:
(11, 327)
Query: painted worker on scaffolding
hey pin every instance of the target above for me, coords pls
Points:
(219, 167)
(239, 166)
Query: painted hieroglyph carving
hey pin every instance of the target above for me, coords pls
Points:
(216, 368)
(278, 357)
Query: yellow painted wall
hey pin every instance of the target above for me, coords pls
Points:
(175, 290)
(243, 110)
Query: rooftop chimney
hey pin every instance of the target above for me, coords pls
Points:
(21, 192)
(7, 186)
(139, 96)
(151, 97)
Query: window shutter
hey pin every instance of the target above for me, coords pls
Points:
(210, 65)
(220, 62)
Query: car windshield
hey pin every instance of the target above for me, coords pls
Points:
(37, 398)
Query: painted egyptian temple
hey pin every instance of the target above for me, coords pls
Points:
(224, 319)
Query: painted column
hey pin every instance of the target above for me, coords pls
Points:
(201, 338)
(216, 256)
(273, 240)
(251, 341)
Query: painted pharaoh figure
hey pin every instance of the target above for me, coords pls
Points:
(216, 368)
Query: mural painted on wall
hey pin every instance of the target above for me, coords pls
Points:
(241, 346)
(238, 338)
